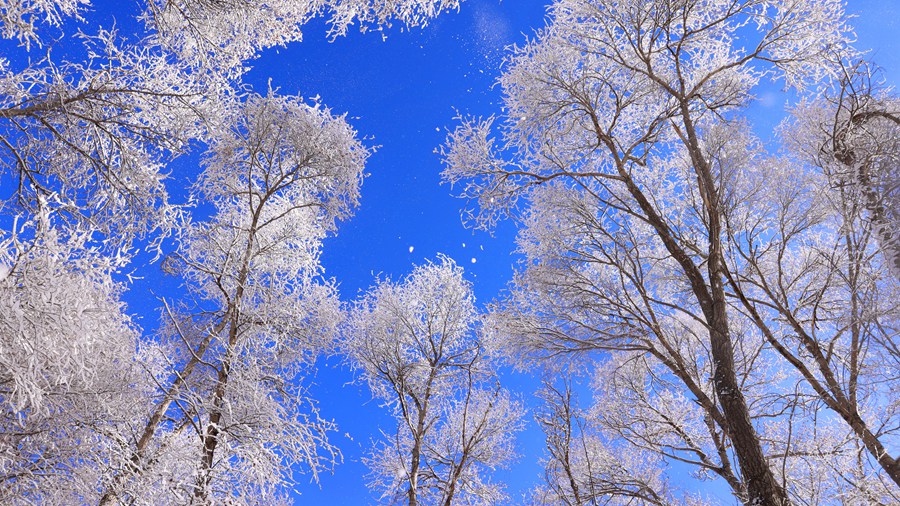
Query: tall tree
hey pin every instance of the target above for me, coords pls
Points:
(645, 196)
(280, 177)
(415, 346)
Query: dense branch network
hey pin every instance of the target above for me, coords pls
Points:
(731, 291)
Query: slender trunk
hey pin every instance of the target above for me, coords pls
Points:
(762, 488)
(414, 472)
(567, 461)
(211, 434)
(419, 437)
(134, 462)
(416, 459)
(761, 484)
(454, 478)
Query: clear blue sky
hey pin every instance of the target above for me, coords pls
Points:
(402, 94)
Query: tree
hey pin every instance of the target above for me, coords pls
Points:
(581, 468)
(858, 146)
(414, 345)
(656, 228)
(257, 310)
(69, 382)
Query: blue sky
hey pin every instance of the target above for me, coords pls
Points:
(401, 93)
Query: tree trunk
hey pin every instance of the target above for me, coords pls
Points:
(110, 494)
(762, 489)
